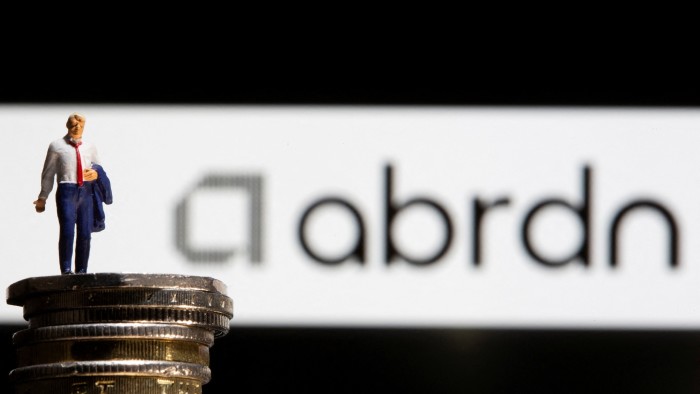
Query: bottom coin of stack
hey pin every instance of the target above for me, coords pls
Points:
(113, 333)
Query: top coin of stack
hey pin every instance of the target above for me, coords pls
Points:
(117, 333)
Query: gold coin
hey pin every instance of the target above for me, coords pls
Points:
(99, 349)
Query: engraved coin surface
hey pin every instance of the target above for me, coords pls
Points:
(110, 384)
(117, 333)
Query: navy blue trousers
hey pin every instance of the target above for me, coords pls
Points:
(75, 218)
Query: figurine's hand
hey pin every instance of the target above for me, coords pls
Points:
(40, 205)
(89, 175)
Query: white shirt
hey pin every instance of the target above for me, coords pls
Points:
(61, 162)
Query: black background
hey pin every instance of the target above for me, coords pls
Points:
(373, 360)
(510, 72)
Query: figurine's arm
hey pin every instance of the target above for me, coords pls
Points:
(47, 177)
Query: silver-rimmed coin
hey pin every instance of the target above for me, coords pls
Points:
(216, 322)
(172, 332)
(161, 369)
(132, 296)
(18, 291)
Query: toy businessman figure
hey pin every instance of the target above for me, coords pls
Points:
(82, 188)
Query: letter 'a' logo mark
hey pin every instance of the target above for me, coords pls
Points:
(220, 219)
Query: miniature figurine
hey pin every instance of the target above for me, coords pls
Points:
(83, 186)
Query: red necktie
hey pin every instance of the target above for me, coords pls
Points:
(79, 161)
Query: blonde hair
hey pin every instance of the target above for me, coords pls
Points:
(79, 117)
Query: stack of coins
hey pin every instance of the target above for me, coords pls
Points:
(113, 333)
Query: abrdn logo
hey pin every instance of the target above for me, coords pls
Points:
(394, 206)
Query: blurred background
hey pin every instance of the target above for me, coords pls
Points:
(491, 131)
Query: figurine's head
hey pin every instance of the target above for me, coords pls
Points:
(75, 125)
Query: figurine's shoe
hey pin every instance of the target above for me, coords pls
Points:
(81, 272)
(67, 273)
